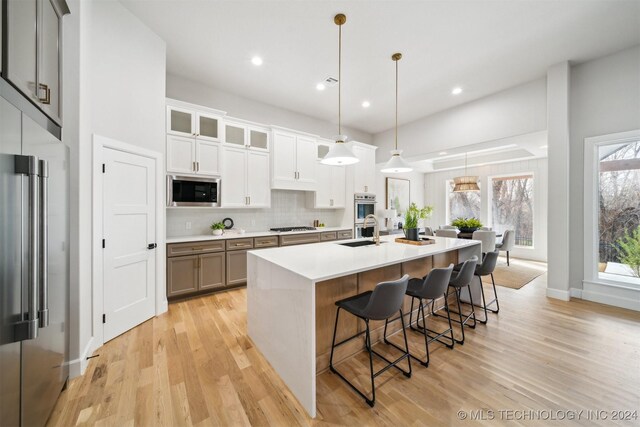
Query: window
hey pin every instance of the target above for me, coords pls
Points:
(512, 207)
(462, 205)
(618, 207)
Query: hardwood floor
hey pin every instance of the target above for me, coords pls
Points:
(195, 366)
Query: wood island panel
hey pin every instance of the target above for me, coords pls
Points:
(443, 260)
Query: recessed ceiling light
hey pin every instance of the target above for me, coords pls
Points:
(256, 60)
(366, 104)
(442, 153)
(320, 86)
(456, 91)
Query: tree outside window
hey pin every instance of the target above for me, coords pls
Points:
(512, 207)
(462, 205)
(619, 204)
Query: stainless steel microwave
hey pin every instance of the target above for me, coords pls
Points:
(193, 191)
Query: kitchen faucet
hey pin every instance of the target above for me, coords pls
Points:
(376, 228)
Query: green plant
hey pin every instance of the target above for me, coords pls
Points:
(415, 214)
(217, 226)
(466, 223)
(629, 249)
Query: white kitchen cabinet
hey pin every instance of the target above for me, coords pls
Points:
(245, 134)
(293, 161)
(192, 156)
(189, 122)
(33, 51)
(331, 182)
(245, 178)
(364, 172)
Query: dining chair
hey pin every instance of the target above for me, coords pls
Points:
(508, 242)
(487, 240)
(447, 233)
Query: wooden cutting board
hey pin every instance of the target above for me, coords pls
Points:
(413, 242)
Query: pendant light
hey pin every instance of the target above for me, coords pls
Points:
(339, 154)
(466, 182)
(396, 163)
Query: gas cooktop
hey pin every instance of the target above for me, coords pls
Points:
(286, 229)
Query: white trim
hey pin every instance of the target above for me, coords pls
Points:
(170, 102)
(78, 366)
(591, 184)
(99, 143)
(617, 296)
(575, 293)
(558, 294)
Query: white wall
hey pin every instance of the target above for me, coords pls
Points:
(115, 85)
(604, 99)
(187, 90)
(436, 196)
(516, 111)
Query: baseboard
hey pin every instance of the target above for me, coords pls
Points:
(163, 307)
(575, 293)
(79, 365)
(603, 294)
(558, 294)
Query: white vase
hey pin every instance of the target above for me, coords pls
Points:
(217, 232)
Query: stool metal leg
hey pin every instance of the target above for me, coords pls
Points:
(484, 302)
(370, 350)
(495, 294)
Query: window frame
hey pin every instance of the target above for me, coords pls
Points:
(490, 179)
(591, 209)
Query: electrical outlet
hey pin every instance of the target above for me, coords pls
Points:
(187, 225)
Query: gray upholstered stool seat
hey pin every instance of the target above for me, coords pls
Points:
(380, 304)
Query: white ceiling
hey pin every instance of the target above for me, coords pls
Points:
(482, 46)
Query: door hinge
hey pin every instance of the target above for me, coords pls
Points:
(104, 243)
(104, 318)
(104, 168)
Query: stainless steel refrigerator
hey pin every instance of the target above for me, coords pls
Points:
(34, 267)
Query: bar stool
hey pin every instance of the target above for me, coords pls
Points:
(380, 304)
(462, 280)
(486, 269)
(430, 287)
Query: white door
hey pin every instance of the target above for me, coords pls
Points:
(306, 159)
(284, 157)
(129, 218)
(208, 157)
(258, 184)
(234, 185)
(181, 154)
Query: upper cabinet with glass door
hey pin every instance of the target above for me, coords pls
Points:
(246, 134)
(185, 120)
(32, 61)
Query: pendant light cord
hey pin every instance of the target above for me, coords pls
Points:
(339, 79)
(396, 105)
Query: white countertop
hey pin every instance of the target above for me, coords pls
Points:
(324, 261)
(235, 235)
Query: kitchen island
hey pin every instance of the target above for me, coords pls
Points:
(291, 293)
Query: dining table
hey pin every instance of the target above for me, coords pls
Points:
(462, 235)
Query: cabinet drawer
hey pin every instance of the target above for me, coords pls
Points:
(299, 239)
(265, 242)
(235, 244)
(328, 235)
(177, 249)
(345, 234)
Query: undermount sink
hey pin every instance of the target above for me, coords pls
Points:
(359, 243)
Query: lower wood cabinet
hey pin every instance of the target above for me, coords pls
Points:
(200, 267)
(212, 270)
(236, 267)
(182, 275)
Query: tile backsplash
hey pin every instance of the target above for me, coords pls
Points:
(288, 208)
